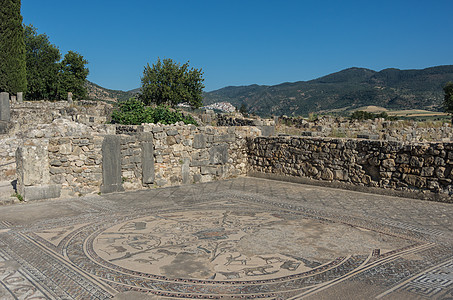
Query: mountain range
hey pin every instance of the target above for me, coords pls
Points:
(342, 91)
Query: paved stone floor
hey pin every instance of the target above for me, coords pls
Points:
(246, 238)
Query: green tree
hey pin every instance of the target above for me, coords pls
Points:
(42, 66)
(448, 98)
(170, 83)
(13, 76)
(73, 75)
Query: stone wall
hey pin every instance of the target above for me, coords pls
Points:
(418, 170)
(189, 154)
(148, 155)
(401, 130)
(26, 115)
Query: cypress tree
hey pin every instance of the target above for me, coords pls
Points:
(13, 76)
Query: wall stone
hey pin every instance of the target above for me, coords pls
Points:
(422, 169)
(33, 177)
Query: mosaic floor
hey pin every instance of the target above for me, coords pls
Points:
(238, 239)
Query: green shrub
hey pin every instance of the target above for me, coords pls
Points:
(364, 115)
(134, 112)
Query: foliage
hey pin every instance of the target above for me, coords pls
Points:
(48, 77)
(134, 112)
(13, 76)
(72, 76)
(18, 196)
(364, 115)
(170, 83)
(448, 97)
(243, 110)
(42, 66)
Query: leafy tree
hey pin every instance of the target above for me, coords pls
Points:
(170, 83)
(448, 98)
(13, 76)
(243, 109)
(42, 65)
(73, 75)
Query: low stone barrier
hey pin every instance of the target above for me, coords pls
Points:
(82, 159)
(415, 170)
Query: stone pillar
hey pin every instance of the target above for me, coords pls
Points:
(148, 174)
(20, 97)
(5, 110)
(32, 169)
(13, 99)
(111, 165)
(70, 97)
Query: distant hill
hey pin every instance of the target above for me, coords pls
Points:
(96, 92)
(345, 90)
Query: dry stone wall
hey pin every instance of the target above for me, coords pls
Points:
(420, 170)
(377, 129)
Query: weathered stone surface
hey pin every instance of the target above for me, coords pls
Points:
(111, 165)
(390, 165)
(32, 166)
(218, 154)
(199, 141)
(185, 171)
(5, 109)
(148, 161)
(20, 97)
(41, 192)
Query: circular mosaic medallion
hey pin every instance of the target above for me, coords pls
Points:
(224, 245)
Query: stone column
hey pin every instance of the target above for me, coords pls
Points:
(32, 169)
(20, 97)
(70, 97)
(5, 110)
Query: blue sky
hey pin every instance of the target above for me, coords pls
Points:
(246, 42)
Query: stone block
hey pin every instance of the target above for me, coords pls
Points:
(197, 178)
(5, 108)
(267, 130)
(32, 166)
(20, 97)
(185, 171)
(218, 155)
(199, 163)
(70, 97)
(199, 141)
(172, 132)
(225, 138)
(41, 192)
(148, 174)
(111, 165)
